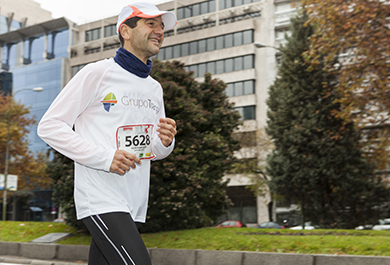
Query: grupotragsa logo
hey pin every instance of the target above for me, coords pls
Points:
(108, 101)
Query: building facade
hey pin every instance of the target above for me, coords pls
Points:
(34, 52)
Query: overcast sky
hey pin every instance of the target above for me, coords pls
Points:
(83, 11)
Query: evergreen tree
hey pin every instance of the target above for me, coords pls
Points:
(316, 161)
(187, 190)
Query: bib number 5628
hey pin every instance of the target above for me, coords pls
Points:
(137, 140)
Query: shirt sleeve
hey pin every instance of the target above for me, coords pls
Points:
(159, 149)
(56, 126)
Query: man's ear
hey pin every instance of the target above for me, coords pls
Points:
(125, 31)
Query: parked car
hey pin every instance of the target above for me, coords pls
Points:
(384, 224)
(231, 223)
(269, 225)
(308, 226)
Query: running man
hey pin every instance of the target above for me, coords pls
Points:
(117, 112)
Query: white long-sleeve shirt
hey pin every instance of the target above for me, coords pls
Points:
(106, 104)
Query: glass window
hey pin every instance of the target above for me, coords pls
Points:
(194, 47)
(248, 62)
(222, 4)
(195, 69)
(161, 53)
(185, 49)
(249, 87)
(249, 113)
(228, 40)
(247, 2)
(195, 10)
(212, 7)
(228, 3)
(169, 52)
(202, 69)
(210, 44)
(110, 30)
(180, 13)
(238, 89)
(229, 91)
(248, 36)
(238, 2)
(187, 12)
(176, 51)
(237, 63)
(219, 42)
(204, 7)
(211, 67)
(219, 67)
(93, 34)
(240, 111)
(201, 46)
(237, 38)
(229, 65)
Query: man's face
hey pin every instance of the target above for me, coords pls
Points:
(146, 38)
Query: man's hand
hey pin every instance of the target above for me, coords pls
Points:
(123, 161)
(167, 131)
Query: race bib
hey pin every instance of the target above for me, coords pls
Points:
(136, 139)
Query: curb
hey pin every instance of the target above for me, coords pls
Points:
(18, 260)
(53, 254)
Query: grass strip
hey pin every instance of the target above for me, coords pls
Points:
(335, 242)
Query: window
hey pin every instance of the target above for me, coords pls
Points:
(194, 68)
(176, 51)
(247, 37)
(229, 65)
(201, 46)
(168, 52)
(228, 41)
(211, 67)
(249, 87)
(219, 67)
(237, 38)
(210, 44)
(194, 47)
(240, 88)
(219, 42)
(93, 34)
(185, 49)
(248, 62)
(247, 113)
(196, 9)
(110, 30)
(238, 64)
(229, 91)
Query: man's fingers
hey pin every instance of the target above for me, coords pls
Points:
(123, 161)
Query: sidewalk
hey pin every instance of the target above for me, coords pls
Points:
(18, 261)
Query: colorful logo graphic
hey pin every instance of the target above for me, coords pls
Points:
(108, 101)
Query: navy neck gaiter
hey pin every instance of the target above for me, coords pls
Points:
(131, 63)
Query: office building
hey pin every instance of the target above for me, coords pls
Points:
(33, 53)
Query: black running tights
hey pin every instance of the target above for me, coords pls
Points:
(115, 240)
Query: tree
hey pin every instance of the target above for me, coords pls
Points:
(30, 169)
(187, 189)
(317, 161)
(61, 171)
(357, 32)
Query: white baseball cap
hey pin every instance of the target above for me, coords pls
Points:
(146, 10)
